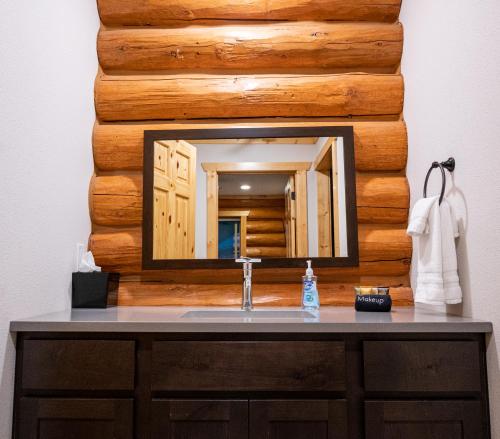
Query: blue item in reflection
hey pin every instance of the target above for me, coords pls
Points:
(228, 239)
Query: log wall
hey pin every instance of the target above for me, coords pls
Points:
(265, 228)
(179, 64)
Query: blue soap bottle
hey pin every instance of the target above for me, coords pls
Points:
(310, 296)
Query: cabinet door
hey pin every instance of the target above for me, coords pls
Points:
(424, 420)
(58, 418)
(199, 419)
(298, 419)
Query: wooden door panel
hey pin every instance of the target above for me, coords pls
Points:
(160, 158)
(298, 419)
(184, 164)
(162, 186)
(161, 227)
(162, 182)
(424, 420)
(58, 418)
(181, 167)
(199, 419)
(174, 200)
(182, 226)
(163, 157)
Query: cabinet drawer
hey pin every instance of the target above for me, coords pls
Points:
(422, 366)
(252, 366)
(78, 365)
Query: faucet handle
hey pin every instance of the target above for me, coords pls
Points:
(244, 259)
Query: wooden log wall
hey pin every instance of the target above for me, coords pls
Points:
(265, 232)
(178, 64)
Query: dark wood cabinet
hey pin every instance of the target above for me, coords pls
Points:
(250, 386)
(248, 366)
(424, 419)
(254, 419)
(422, 366)
(298, 419)
(78, 365)
(65, 418)
(199, 419)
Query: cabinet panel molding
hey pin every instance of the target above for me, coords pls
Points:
(424, 419)
(62, 418)
(298, 419)
(204, 418)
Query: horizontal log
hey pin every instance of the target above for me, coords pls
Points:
(202, 96)
(266, 240)
(367, 273)
(121, 249)
(262, 212)
(266, 252)
(382, 215)
(382, 198)
(379, 146)
(116, 200)
(332, 294)
(161, 12)
(251, 47)
(382, 243)
(265, 226)
(251, 202)
(382, 190)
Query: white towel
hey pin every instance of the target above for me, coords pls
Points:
(434, 229)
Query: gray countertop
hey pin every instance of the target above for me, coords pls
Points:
(170, 319)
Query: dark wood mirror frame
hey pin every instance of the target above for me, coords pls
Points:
(346, 133)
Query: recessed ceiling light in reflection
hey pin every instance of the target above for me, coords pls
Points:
(245, 187)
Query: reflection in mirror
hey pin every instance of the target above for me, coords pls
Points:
(267, 198)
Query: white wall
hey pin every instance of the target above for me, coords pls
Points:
(451, 65)
(48, 65)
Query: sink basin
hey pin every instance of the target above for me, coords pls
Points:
(258, 314)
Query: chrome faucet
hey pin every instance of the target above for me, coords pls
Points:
(246, 292)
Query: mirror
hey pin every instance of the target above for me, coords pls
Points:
(280, 194)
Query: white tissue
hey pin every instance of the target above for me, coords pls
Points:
(87, 263)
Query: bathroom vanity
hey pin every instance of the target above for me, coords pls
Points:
(171, 373)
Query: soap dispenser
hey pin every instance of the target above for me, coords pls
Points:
(310, 296)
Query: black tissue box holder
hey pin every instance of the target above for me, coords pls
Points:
(373, 302)
(92, 290)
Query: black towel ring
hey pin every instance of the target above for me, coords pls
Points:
(448, 164)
